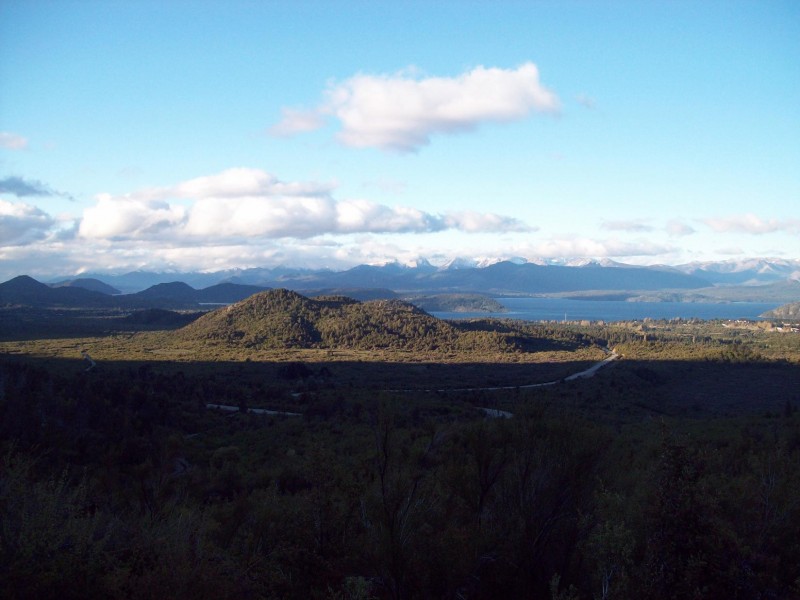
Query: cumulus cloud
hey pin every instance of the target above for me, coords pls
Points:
(753, 224)
(128, 217)
(12, 141)
(636, 226)
(401, 112)
(22, 224)
(360, 216)
(28, 187)
(261, 216)
(240, 204)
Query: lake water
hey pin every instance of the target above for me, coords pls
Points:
(555, 309)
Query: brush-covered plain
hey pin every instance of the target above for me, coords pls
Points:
(672, 472)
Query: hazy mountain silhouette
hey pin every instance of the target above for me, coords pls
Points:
(89, 283)
(27, 291)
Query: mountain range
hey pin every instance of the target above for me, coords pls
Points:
(473, 275)
(24, 290)
(365, 282)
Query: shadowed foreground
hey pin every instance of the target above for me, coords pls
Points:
(119, 482)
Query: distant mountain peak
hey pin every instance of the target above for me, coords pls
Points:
(462, 262)
(26, 283)
(747, 271)
(88, 283)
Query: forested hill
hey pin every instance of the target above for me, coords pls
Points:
(285, 319)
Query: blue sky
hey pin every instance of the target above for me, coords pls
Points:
(209, 135)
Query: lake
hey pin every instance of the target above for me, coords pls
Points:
(555, 309)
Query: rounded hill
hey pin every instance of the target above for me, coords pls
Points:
(282, 318)
(285, 319)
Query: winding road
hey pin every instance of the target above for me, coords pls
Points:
(585, 374)
(490, 412)
(256, 411)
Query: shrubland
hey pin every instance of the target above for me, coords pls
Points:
(674, 472)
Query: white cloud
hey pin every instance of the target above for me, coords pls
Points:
(22, 224)
(12, 141)
(261, 216)
(400, 112)
(485, 222)
(753, 224)
(297, 121)
(240, 204)
(128, 218)
(360, 216)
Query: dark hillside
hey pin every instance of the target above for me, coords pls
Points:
(160, 318)
(176, 291)
(227, 292)
(179, 294)
(532, 278)
(285, 319)
(94, 285)
(502, 277)
(26, 291)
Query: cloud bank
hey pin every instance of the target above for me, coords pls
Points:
(22, 224)
(245, 217)
(400, 112)
(249, 204)
(752, 224)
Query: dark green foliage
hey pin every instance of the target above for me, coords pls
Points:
(457, 303)
(672, 474)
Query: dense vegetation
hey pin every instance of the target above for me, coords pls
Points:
(285, 319)
(674, 473)
(457, 303)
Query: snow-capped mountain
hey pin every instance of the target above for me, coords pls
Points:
(483, 273)
(480, 262)
(753, 271)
